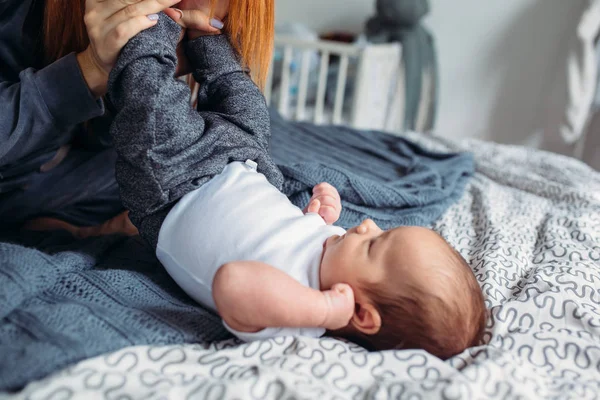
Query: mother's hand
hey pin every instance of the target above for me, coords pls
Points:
(110, 24)
(194, 15)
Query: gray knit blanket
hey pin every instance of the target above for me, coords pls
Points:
(63, 300)
(379, 176)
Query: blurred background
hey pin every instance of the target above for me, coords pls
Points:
(502, 66)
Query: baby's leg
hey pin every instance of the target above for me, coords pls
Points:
(167, 149)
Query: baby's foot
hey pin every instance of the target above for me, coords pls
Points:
(339, 302)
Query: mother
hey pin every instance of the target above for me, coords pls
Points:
(56, 161)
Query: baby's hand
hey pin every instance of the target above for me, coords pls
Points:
(326, 202)
(339, 302)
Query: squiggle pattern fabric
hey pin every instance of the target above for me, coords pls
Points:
(529, 224)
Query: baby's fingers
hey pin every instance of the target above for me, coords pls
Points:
(325, 188)
(313, 207)
(330, 208)
(327, 200)
(329, 214)
(340, 303)
(345, 290)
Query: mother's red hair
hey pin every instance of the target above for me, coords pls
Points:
(250, 25)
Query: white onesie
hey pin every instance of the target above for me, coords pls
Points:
(238, 215)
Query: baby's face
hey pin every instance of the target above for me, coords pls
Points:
(367, 254)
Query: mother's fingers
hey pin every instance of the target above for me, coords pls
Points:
(119, 10)
(103, 9)
(133, 19)
(195, 19)
(127, 29)
(175, 14)
(140, 9)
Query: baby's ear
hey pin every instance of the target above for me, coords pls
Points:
(366, 319)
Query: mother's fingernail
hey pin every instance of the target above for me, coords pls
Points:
(215, 23)
(153, 17)
(178, 12)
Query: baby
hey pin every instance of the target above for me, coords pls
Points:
(202, 189)
(240, 247)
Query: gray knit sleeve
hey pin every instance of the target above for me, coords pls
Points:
(214, 60)
(166, 148)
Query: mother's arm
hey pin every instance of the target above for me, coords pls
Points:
(37, 106)
(40, 105)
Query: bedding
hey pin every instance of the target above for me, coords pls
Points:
(64, 300)
(529, 225)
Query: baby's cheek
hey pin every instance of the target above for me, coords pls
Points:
(342, 259)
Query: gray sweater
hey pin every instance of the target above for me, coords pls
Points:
(167, 149)
(41, 107)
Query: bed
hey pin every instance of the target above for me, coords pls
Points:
(528, 223)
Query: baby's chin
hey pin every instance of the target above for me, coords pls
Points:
(328, 242)
(326, 246)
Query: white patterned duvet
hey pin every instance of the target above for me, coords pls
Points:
(529, 224)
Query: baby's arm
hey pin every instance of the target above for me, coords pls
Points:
(251, 296)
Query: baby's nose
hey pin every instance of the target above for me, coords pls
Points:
(368, 223)
(364, 226)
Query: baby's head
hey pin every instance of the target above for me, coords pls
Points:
(411, 289)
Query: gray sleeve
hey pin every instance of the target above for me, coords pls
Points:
(42, 105)
(166, 148)
(222, 79)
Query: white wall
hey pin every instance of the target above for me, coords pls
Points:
(325, 15)
(498, 60)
